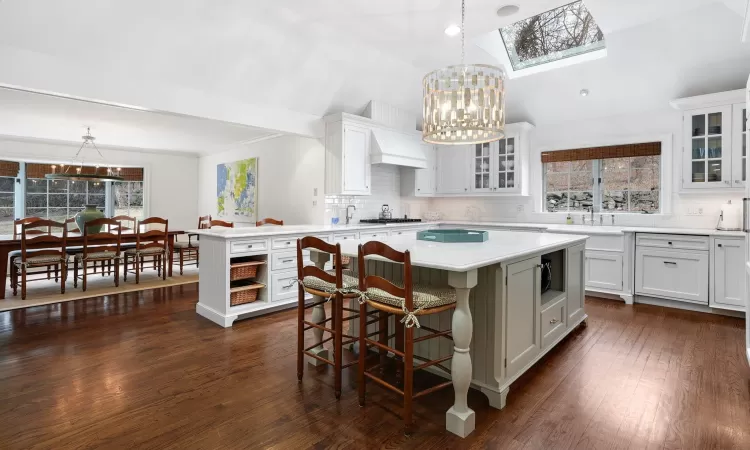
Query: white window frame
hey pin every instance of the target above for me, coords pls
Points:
(668, 173)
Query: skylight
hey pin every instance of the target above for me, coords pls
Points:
(560, 33)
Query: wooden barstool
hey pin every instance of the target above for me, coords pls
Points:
(268, 221)
(334, 286)
(407, 302)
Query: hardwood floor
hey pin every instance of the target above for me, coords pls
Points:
(142, 370)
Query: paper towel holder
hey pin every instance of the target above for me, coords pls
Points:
(724, 221)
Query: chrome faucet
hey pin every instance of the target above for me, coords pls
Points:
(349, 217)
(592, 215)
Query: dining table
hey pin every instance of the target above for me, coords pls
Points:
(75, 239)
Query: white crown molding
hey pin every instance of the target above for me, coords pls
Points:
(709, 100)
(76, 144)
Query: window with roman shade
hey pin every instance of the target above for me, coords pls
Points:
(616, 178)
(8, 173)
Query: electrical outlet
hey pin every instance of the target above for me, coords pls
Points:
(315, 203)
(315, 192)
(700, 211)
(519, 208)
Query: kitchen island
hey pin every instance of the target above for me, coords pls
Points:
(503, 323)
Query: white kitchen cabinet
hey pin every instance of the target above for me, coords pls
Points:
(523, 333)
(728, 274)
(739, 144)
(494, 166)
(604, 270)
(712, 151)
(575, 261)
(672, 274)
(452, 172)
(347, 170)
(421, 182)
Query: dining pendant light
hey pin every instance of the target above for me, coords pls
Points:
(463, 104)
(77, 171)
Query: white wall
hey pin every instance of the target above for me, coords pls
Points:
(290, 169)
(385, 189)
(170, 180)
(642, 127)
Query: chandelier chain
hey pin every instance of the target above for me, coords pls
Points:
(463, 31)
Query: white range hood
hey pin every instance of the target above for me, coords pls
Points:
(398, 149)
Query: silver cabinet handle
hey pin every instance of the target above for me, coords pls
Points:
(737, 181)
(291, 283)
(288, 242)
(553, 321)
(287, 260)
(671, 263)
(250, 246)
(726, 182)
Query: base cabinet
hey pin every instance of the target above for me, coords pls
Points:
(575, 265)
(604, 270)
(728, 275)
(672, 274)
(523, 314)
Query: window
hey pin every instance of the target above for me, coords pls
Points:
(60, 199)
(7, 204)
(128, 198)
(560, 33)
(608, 179)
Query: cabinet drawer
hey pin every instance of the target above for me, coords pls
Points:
(248, 246)
(283, 285)
(345, 237)
(553, 322)
(405, 232)
(288, 260)
(284, 242)
(374, 236)
(675, 241)
(323, 237)
(673, 274)
(608, 243)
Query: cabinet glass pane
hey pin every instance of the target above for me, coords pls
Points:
(478, 150)
(501, 181)
(714, 170)
(699, 172)
(511, 163)
(714, 147)
(511, 180)
(486, 181)
(699, 148)
(511, 145)
(501, 150)
(477, 181)
(714, 123)
(699, 125)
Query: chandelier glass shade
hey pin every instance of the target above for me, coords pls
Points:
(77, 171)
(464, 104)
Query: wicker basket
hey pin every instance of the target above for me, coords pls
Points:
(244, 294)
(245, 270)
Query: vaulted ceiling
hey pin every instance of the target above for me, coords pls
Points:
(282, 64)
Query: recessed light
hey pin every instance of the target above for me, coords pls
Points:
(584, 92)
(453, 30)
(508, 10)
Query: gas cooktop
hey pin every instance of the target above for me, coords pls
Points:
(386, 221)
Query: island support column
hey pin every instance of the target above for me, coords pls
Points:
(318, 313)
(460, 419)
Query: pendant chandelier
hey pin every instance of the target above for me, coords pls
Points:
(464, 104)
(77, 171)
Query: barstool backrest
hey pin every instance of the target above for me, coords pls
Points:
(315, 244)
(54, 236)
(268, 221)
(204, 222)
(383, 251)
(19, 223)
(101, 241)
(220, 223)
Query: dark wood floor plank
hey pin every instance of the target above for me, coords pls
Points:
(142, 370)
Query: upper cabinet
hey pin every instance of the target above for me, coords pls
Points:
(493, 168)
(347, 169)
(421, 182)
(714, 141)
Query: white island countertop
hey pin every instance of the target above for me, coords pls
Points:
(501, 246)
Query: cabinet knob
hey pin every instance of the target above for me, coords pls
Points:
(670, 242)
(553, 321)
(718, 245)
(726, 182)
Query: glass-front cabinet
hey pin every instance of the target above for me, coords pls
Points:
(708, 148)
(714, 143)
(494, 166)
(739, 143)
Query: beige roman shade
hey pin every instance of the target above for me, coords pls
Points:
(611, 151)
(35, 170)
(9, 168)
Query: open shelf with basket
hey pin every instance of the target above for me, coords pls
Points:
(248, 278)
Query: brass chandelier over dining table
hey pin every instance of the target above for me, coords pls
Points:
(76, 171)
(464, 104)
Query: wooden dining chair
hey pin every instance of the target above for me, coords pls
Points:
(53, 237)
(102, 247)
(189, 251)
(406, 301)
(17, 226)
(335, 286)
(149, 242)
(268, 221)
